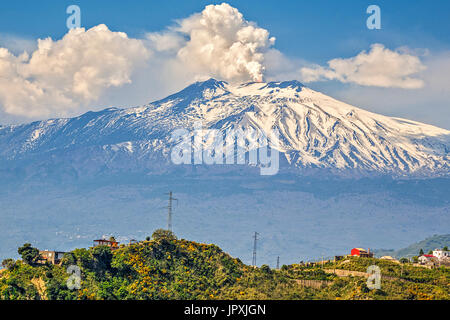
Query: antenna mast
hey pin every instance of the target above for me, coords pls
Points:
(170, 208)
(255, 237)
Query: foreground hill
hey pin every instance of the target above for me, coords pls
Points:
(167, 268)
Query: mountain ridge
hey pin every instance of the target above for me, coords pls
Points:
(430, 243)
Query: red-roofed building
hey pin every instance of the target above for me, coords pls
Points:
(427, 259)
(112, 243)
(360, 252)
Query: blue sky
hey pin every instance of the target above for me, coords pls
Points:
(315, 30)
(311, 31)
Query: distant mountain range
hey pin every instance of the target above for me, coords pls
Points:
(347, 177)
(431, 243)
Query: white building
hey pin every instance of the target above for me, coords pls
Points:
(441, 254)
(389, 258)
(426, 258)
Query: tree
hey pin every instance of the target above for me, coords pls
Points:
(445, 248)
(29, 254)
(102, 258)
(421, 252)
(430, 252)
(265, 269)
(163, 234)
(8, 264)
(404, 260)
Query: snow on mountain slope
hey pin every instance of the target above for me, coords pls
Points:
(316, 131)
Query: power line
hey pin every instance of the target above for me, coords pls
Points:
(170, 211)
(255, 237)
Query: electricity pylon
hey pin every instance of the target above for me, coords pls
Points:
(255, 237)
(170, 208)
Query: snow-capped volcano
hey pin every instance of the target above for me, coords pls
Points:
(108, 172)
(315, 131)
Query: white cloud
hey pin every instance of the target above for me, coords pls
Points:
(76, 73)
(380, 67)
(68, 74)
(429, 104)
(218, 42)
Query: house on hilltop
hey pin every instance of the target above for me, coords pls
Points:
(389, 258)
(360, 252)
(53, 257)
(112, 243)
(427, 259)
(441, 254)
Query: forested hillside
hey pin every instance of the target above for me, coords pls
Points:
(165, 267)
